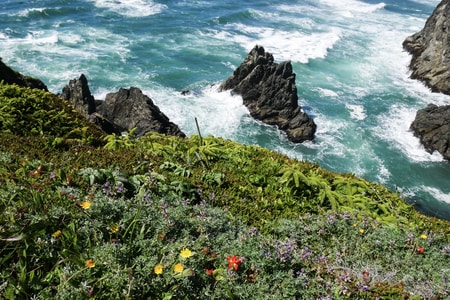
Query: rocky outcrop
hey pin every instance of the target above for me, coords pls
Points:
(10, 76)
(77, 92)
(430, 49)
(130, 108)
(121, 111)
(269, 92)
(430, 63)
(432, 127)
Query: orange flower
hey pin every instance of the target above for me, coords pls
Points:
(209, 271)
(420, 250)
(233, 262)
(90, 263)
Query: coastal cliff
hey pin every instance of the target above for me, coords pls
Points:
(430, 63)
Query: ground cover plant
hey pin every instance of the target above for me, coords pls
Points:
(115, 217)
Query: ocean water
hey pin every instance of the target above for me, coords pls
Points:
(352, 73)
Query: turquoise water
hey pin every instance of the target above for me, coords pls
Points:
(352, 73)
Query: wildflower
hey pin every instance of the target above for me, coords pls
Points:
(209, 271)
(91, 293)
(114, 228)
(366, 277)
(57, 234)
(84, 205)
(178, 268)
(361, 230)
(423, 236)
(158, 269)
(420, 250)
(90, 263)
(186, 253)
(233, 262)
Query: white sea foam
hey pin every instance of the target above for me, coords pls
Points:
(218, 113)
(42, 38)
(327, 93)
(357, 112)
(348, 8)
(26, 12)
(437, 194)
(131, 8)
(394, 128)
(284, 45)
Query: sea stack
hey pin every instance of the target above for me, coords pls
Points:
(269, 92)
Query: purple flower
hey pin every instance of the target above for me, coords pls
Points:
(447, 249)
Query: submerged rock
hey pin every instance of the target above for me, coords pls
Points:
(10, 76)
(269, 92)
(432, 127)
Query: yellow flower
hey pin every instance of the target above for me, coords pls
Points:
(85, 204)
(361, 230)
(114, 228)
(423, 236)
(178, 268)
(186, 253)
(57, 234)
(90, 263)
(158, 269)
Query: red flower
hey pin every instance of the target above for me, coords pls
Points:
(420, 250)
(233, 262)
(209, 271)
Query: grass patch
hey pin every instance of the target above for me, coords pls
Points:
(114, 217)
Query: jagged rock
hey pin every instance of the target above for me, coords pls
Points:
(432, 127)
(269, 92)
(120, 111)
(130, 108)
(77, 92)
(430, 63)
(430, 49)
(10, 76)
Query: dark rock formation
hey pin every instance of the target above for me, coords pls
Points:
(269, 92)
(130, 108)
(77, 92)
(10, 76)
(430, 50)
(121, 111)
(430, 63)
(432, 126)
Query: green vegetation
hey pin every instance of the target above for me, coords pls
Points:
(115, 217)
